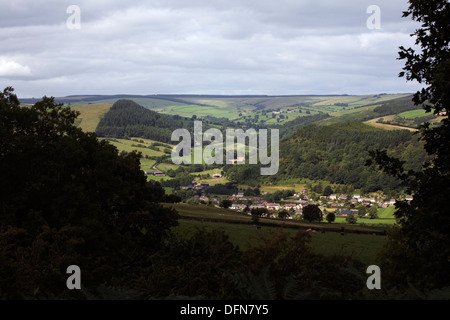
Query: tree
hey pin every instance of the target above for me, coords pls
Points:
(202, 264)
(259, 211)
(226, 203)
(362, 210)
(351, 218)
(283, 214)
(255, 219)
(331, 216)
(373, 212)
(312, 212)
(327, 191)
(419, 253)
(68, 198)
(289, 268)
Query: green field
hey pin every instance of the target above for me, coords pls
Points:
(133, 145)
(200, 111)
(90, 115)
(412, 114)
(386, 212)
(364, 247)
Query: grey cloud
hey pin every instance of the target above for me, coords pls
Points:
(199, 46)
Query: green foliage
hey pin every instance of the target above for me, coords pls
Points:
(373, 212)
(285, 267)
(338, 153)
(327, 191)
(291, 127)
(351, 218)
(224, 189)
(395, 106)
(244, 174)
(199, 264)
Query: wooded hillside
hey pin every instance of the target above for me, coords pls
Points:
(126, 118)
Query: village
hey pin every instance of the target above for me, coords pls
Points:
(292, 206)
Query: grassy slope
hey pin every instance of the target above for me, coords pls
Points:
(90, 115)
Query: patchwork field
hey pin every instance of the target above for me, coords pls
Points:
(245, 108)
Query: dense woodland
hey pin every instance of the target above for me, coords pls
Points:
(396, 106)
(126, 118)
(292, 126)
(338, 154)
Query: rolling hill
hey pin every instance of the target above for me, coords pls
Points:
(323, 138)
(126, 118)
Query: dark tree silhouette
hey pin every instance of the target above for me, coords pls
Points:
(312, 213)
(419, 250)
(67, 198)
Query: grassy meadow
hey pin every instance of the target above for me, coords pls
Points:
(243, 234)
(90, 115)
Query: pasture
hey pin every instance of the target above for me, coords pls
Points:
(200, 111)
(412, 114)
(243, 234)
(90, 115)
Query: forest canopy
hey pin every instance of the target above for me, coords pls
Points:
(126, 118)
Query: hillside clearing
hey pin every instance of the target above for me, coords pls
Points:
(384, 126)
(90, 115)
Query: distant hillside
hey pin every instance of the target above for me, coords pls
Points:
(291, 127)
(396, 106)
(372, 110)
(338, 153)
(126, 118)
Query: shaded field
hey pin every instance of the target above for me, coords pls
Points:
(213, 214)
(364, 247)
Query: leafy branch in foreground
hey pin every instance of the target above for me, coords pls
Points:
(418, 250)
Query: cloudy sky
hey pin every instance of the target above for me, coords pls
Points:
(275, 47)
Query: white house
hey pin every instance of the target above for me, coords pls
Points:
(272, 206)
(291, 206)
(237, 207)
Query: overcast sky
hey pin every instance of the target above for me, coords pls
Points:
(276, 47)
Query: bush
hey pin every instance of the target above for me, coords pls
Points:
(351, 218)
